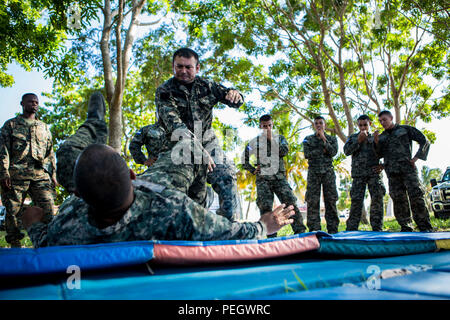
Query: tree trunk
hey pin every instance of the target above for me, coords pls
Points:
(114, 92)
(115, 123)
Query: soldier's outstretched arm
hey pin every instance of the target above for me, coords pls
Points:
(203, 225)
(278, 218)
(194, 222)
(229, 96)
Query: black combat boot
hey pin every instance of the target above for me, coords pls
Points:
(96, 107)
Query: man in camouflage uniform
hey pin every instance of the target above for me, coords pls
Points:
(26, 158)
(222, 179)
(270, 172)
(184, 106)
(319, 149)
(366, 171)
(109, 205)
(395, 146)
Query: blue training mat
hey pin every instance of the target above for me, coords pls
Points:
(287, 278)
(375, 244)
(57, 259)
(98, 256)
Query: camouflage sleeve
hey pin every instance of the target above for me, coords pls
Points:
(331, 146)
(136, 147)
(246, 159)
(221, 91)
(38, 234)
(378, 148)
(205, 225)
(284, 146)
(351, 146)
(310, 150)
(424, 144)
(50, 156)
(168, 113)
(5, 145)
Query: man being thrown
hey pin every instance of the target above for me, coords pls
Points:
(109, 205)
(222, 179)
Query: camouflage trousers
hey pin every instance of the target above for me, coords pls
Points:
(223, 180)
(163, 171)
(41, 195)
(401, 187)
(315, 182)
(357, 194)
(90, 132)
(267, 187)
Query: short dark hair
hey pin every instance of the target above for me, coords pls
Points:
(185, 53)
(320, 117)
(385, 112)
(265, 117)
(102, 178)
(364, 117)
(28, 94)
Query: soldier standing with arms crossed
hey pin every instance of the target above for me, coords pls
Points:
(366, 169)
(395, 146)
(319, 149)
(27, 166)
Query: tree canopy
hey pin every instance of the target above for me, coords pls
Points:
(293, 58)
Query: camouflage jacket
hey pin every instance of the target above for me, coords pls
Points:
(395, 146)
(180, 108)
(363, 155)
(154, 140)
(270, 164)
(157, 213)
(320, 154)
(26, 150)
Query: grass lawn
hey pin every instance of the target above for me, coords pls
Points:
(389, 225)
(26, 242)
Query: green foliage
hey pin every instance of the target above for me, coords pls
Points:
(34, 33)
(327, 57)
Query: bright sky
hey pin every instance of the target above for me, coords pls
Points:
(439, 156)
